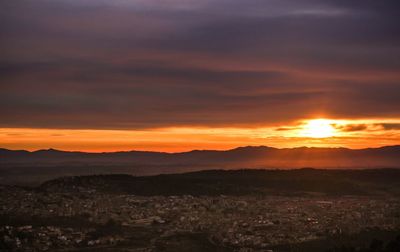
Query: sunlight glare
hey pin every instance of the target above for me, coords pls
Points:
(319, 128)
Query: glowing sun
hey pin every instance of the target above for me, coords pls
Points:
(319, 128)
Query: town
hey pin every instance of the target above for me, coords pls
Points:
(34, 220)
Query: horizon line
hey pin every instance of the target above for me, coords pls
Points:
(194, 150)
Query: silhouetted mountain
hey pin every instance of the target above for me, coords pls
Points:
(46, 164)
(260, 156)
(239, 182)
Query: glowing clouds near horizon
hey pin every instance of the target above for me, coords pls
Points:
(311, 132)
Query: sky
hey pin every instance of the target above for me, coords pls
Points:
(176, 75)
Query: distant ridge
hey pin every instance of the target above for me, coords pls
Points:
(249, 147)
(261, 155)
(46, 164)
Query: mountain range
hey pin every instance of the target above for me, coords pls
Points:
(50, 163)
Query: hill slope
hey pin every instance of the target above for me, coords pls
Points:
(24, 167)
(239, 182)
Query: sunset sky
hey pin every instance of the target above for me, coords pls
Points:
(177, 75)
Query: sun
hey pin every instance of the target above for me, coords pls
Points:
(319, 128)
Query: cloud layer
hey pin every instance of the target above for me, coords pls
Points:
(146, 64)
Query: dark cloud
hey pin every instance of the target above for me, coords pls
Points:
(390, 126)
(351, 127)
(133, 64)
(366, 127)
(287, 128)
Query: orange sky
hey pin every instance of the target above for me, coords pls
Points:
(198, 74)
(321, 133)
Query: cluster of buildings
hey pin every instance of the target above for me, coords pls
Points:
(42, 221)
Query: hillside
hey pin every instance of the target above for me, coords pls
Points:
(24, 167)
(240, 182)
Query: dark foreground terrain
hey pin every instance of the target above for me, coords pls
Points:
(245, 210)
(33, 168)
